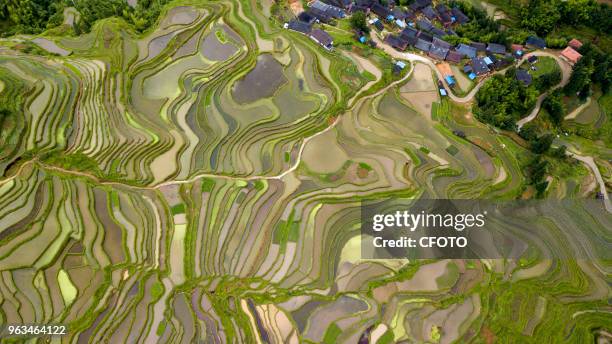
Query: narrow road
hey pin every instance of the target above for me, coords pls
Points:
(587, 160)
(420, 58)
(205, 175)
(578, 110)
(566, 72)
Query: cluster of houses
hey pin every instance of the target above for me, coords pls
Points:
(422, 26)
(318, 12)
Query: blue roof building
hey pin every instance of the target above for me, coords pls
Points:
(536, 42)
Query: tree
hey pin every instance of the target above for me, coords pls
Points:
(560, 152)
(540, 16)
(542, 144)
(581, 75)
(545, 81)
(502, 100)
(358, 22)
(536, 171)
(554, 106)
(529, 131)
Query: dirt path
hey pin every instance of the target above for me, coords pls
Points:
(367, 65)
(578, 110)
(566, 72)
(587, 160)
(203, 175)
(415, 57)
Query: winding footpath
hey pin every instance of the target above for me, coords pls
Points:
(590, 162)
(413, 58)
(566, 72)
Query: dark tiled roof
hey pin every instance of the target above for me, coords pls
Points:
(445, 18)
(523, 76)
(410, 15)
(536, 42)
(429, 12)
(425, 36)
(422, 45)
(380, 10)
(398, 13)
(479, 46)
(454, 56)
(438, 52)
(496, 48)
(460, 17)
(320, 15)
(306, 17)
(411, 40)
(330, 10)
(441, 8)
(505, 62)
(409, 32)
(441, 43)
(364, 3)
(299, 26)
(479, 66)
(466, 50)
(424, 24)
(418, 4)
(438, 32)
(322, 37)
(396, 42)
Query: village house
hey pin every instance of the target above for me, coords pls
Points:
(447, 73)
(570, 55)
(439, 49)
(467, 50)
(459, 17)
(396, 42)
(517, 50)
(298, 26)
(479, 66)
(380, 11)
(535, 42)
(420, 4)
(454, 56)
(329, 10)
(524, 77)
(480, 47)
(438, 32)
(323, 38)
(494, 48)
(423, 45)
(574, 43)
(424, 25)
(429, 13)
(378, 24)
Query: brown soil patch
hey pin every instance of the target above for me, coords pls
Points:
(362, 172)
(487, 335)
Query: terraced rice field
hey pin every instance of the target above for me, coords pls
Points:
(202, 183)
